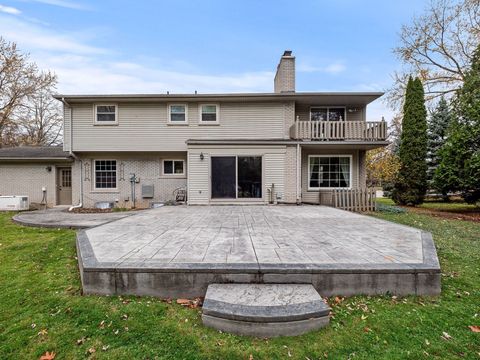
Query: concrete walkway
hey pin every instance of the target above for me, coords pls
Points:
(59, 217)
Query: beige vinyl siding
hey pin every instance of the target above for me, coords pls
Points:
(303, 111)
(274, 168)
(273, 164)
(312, 196)
(66, 128)
(144, 127)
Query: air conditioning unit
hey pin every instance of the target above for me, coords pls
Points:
(14, 203)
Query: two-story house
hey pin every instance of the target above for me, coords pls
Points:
(285, 146)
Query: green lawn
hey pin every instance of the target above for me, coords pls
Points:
(41, 309)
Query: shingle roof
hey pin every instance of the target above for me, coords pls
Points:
(33, 153)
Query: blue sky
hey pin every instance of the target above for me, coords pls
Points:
(210, 46)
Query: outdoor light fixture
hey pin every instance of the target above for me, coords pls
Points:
(201, 156)
(48, 168)
(351, 110)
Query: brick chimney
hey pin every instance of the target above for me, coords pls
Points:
(285, 76)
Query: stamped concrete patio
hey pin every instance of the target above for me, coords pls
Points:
(178, 250)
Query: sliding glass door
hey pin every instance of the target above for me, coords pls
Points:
(236, 177)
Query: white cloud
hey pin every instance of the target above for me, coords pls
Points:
(64, 3)
(32, 36)
(333, 68)
(9, 10)
(84, 68)
(87, 75)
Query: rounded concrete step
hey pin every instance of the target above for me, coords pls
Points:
(264, 310)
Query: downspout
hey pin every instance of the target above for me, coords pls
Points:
(80, 204)
(298, 173)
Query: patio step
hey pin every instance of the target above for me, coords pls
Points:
(264, 310)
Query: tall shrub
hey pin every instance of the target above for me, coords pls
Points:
(459, 168)
(411, 183)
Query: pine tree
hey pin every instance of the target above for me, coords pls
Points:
(459, 168)
(438, 124)
(411, 183)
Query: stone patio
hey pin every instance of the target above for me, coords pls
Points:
(178, 250)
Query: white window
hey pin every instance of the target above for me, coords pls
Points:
(209, 114)
(177, 113)
(173, 167)
(105, 174)
(106, 114)
(329, 171)
(327, 113)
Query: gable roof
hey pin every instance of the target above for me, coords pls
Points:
(23, 153)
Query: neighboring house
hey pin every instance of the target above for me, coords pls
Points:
(284, 146)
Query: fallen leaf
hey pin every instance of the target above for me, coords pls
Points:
(48, 356)
(42, 332)
(183, 301)
(366, 329)
(105, 347)
(250, 357)
(474, 328)
(446, 336)
(338, 299)
(91, 350)
(33, 326)
(81, 341)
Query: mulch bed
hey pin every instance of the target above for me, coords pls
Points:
(90, 211)
(467, 215)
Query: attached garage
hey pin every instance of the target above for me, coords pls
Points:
(41, 173)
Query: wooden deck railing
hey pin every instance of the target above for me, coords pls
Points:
(354, 199)
(339, 130)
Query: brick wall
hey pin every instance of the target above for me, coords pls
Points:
(28, 179)
(290, 187)
(285, 77)
(148, 168)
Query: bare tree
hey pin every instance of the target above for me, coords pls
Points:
(40, 120)
(438, 47)
(20, 81)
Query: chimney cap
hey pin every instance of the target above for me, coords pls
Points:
(287, 53)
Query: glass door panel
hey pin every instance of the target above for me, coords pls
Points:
(223, 177)
(249, 176)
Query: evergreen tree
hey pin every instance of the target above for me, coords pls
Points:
(438, 124)
(411, 183)
(459, 168)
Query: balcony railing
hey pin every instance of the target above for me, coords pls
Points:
(339, 130)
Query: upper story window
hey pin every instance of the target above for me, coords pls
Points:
(208, 114)
(177, 113)
(173, 167)
(106, 114)
(105, 174)
(326, 171)
(327, 113)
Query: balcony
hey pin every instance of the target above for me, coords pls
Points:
(339, 130)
